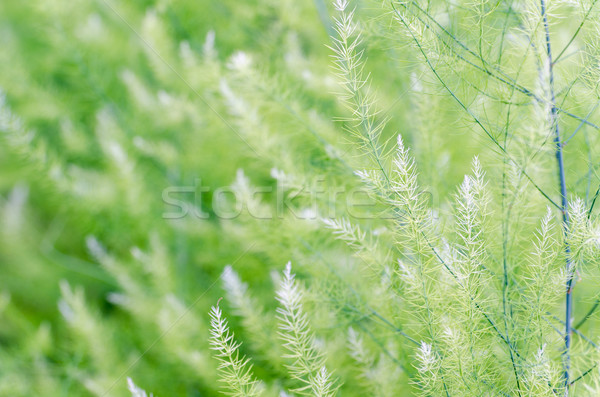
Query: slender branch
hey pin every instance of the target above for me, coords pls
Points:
(505, 285)
(470, 113)
(504, 29)
(564, 205)
(589, 215)
(499, 74)
(585, 17)
(588, 315)
(355, 293)
(583, 374)
(575, 331)
(582, 123)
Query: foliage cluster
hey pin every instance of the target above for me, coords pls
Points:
(277, 197)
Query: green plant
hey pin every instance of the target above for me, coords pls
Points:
(164, 155)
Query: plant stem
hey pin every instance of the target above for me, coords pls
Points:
(588, 315)
(564, 205)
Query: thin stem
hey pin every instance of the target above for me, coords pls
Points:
(588, 315)
(500, 76)
(469, 112)
(593, 203)
(355, 293)
(575, 331)
(584, 374)
(582, 122)
(564, 206)
(504, 29)
(505, 285)
(587, 14)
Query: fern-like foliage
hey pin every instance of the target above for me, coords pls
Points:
(430, 167)
(307, 363)
(235, 371)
